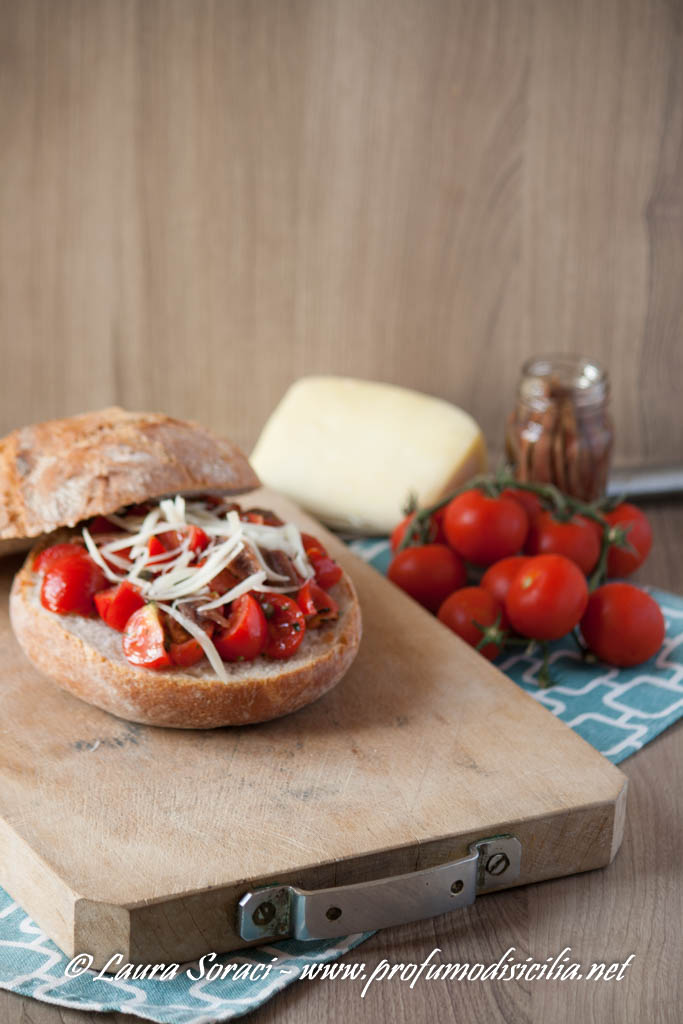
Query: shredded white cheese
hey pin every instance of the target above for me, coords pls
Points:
(253, 582)
(171, 578)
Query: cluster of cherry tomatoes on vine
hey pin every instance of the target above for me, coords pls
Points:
(544, 558)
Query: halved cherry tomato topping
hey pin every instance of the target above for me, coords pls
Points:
(169, 539)
(245, 636)
(317, 606)
(174, 632)
(103, 601)
(144, 640)
(117, 604)
(188, 651)
(326, 570)
(199, 539)
(186, 654)
(48, 556)
(261, 515)
(311, 543)
(156, 547)
(70, 584)
(158, 550)
(286, 625)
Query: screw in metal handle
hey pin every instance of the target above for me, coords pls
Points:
(497, 864)
(264, 913)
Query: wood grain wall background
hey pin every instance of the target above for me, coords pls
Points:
(202, 200)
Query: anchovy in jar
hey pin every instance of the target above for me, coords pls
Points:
(560, 431)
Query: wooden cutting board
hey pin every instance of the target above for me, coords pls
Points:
(124, 838)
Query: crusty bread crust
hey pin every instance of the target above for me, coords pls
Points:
(84, 656)
(60, 472)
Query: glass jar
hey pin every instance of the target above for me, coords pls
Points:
(560, 431)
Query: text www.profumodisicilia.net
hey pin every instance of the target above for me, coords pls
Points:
(509, 967)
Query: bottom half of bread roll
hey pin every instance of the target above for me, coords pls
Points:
(84, 656)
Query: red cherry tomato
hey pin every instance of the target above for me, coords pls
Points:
(623, 625)
(144, 639)
(620, 561)
(483, 530)
(464, 609)
(312, 543)
(172, 539)
(70, 585)
(261, 515)
(286, 625)
(428, 573)
(326, 570)
(116, 604)
(199, 539)
(185, 653)
(400, 532)
(531, 502)
(317, 606)
(156, 548)
(245, 636)
(579, 539)
(48, 556)
(497, 580)
(547, 598)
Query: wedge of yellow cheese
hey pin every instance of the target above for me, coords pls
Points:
(352, 451)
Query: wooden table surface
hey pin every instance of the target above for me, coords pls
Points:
(633, 907)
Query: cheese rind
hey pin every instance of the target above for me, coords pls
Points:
(352, 451)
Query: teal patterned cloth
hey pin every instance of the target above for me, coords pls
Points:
(617, 711)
